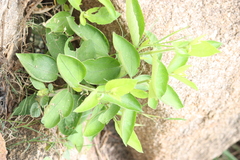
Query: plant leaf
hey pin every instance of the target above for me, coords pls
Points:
(86, 51)
(186, 81)
(127, 101)
(37, 84)
(159, 80)
(58, 23)
(71, 69)
(120, 87)
(127, 54)
(60, 106)
(41, 67)
(139, 93)
(55, 43)
(91, 101)
(75, 4)
(127, 124)
(89, 32)
(101, 70)
(202, 49)
(93, 126)
(61, 1)
(25, 106)
(107, 115)
(152, 102)
(68, 48)
(215, 43)
(35, 110)
(171, 98)
(135, 20)
(177, 62)
(76, 139)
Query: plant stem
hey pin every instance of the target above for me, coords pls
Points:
(157, 51)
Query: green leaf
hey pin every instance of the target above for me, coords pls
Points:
(202, 49)
(133, 140)
(35, 110)
(76, 139)
(171, 98)
(86, 51)
(68, 48)
(108, 4)
(107, 115)
(71, 70)
(159, 80)
(43, 92)
(89, 32)
(142, 82)
(67, 125)
(91, 101)
(135, 20)
(25, 106)
(186, 81)
(181, 70)
(59, 23)
(127, 124)
(215, 43)
(127, 101)
(61, 1)
(76, 4)
(37, 84)
(120, 87)
(177, 62)
(139, 93)
(83, 20)
(127, 55)
(55, 43)
(153, 103)
(41, 67)
(101, 70)
(43, 101)
(60, 106)
(93, 126)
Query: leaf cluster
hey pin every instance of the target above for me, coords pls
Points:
(99, 86)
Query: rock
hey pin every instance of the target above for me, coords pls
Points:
(213, 112)
(3, 150)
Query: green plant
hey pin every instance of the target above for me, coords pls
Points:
(101, 86)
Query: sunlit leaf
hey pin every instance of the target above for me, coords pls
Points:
(153, 103)
(202, 49)
(139, 93)
(41, 67)
(101, 70)
(37, 84)
(135, 20)
(71, 70)
(127, 54)
(171, 98)
(215, 43)
(75, 4)
(60, 106)
(186, 81)
(93, 126)
(177, 62)
(91, 101)
(107, 115)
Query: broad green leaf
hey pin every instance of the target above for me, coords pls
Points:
(83, 20)
(181, 70)
(25, 106)
(86, 51)
(76, 4)
(153, 103)
(181, 47)
(41, 67)
(127, 124)
(43, 92)
(143, 82)
(127, 54)
(58, 23)
(171, 98)
(91, 101)
(215, 43)
(59, 107)
(43, 101)
(61, 1)
(177, 62)
(37, 84)
(133, 140)
(93, 126)
(76, 139)
(89, 32)
(68, 124)
(101, 17)
(71, 70)
(202, 49)
(186, 81)
(135, 20)
(139, 93)
(108, 4)
(127, 101)
(68, 48)
(120, 87)
(101, 70)
(159, 80)
(107, 115)
(35, 110)
(55, 43)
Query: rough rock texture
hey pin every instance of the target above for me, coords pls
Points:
(212, 113)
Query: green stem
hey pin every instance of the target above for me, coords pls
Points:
(157, 51)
